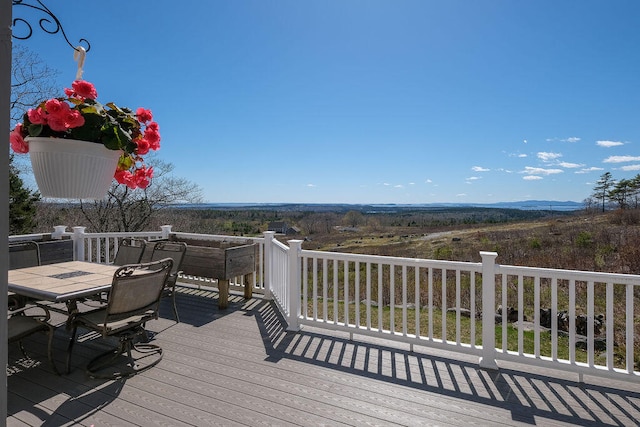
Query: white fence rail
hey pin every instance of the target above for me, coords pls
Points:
(584, 322)
(578, 321)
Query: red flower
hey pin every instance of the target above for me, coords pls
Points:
(84, 89)
(37, 116)
(143, 146)
(124, 177)
(75, 119)
(144, 115)
(56, 107)
(142, 176)
(18, 144)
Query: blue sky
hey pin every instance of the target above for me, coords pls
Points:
(371, 101)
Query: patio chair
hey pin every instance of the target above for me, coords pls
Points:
(175, 251)
(134, 299)
(129, 251)
(23, 254)
(20, 325)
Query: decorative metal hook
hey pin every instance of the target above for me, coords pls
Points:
(49, 24)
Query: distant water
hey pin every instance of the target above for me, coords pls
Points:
(542, 205)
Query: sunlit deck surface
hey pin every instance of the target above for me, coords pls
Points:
(240, 367)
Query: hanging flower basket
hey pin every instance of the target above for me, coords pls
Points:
(72, 169)
(78, 145)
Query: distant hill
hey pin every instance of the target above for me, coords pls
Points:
(541, 205)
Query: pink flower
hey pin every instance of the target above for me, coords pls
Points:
(143, 176)
(144, 115)
(74, 119)
(58, 123)
(84, 89)
(18, 144)
(143, 146)
(124, 177)
(153, 136)
(56, 107)
(37, 116)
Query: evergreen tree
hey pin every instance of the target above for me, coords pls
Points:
(601, 190)
(22, 203)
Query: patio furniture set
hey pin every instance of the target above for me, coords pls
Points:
(127, 292)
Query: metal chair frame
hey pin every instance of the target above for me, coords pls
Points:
(134, 299)
(175, 251)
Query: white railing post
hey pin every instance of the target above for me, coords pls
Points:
(268, 260)
(166, 230)
(488, 358)
(58, 231)
(293, 281)
(78, 243)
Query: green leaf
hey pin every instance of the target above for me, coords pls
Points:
(34, 130)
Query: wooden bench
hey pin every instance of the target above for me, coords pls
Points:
(221, 261)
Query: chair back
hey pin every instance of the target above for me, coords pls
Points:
(24, 254)
(173, 250)
(136, 290)
(129, 252)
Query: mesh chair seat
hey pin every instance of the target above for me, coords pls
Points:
(129, 252)
(21, 325)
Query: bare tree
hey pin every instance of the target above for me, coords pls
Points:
(124, 209)
(353, 218)
(32, 81)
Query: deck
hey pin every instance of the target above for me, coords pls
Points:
(240, 367)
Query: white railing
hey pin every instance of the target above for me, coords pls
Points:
(591, 324)
(102, 248)
(390, 297)
(441, 304)
(600, 312)
(278, 262)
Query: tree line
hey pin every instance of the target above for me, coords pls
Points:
(609, 192)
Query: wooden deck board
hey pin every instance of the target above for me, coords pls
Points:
(240, 367)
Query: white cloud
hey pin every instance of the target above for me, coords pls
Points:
(386, 184)
(522, 155)
(540, 171)
(570, 165)
(531, 178)
(591, 169)
(473, 178)
(311, 185)
(480, 169)
(428, 181)
(547, 157)
(570, 139)
(412, 183)
(608, 144)
(630, 168)
(461, 195)
(398, 186)
(621, 159)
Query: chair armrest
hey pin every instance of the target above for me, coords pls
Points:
(40, 317)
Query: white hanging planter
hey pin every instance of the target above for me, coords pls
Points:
(72, 169)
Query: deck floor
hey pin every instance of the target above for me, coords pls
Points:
(240, 367)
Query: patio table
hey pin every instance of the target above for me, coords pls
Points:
(62, 282)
